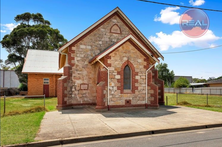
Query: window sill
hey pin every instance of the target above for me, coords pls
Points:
(127, 92)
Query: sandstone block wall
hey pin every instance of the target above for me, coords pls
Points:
(85, 49)
(81, 72)
(127, 54)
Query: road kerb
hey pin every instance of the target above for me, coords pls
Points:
(114, 136)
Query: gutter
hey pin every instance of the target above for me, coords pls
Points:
(147, 83)
(107, 82)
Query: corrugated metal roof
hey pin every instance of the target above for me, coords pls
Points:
(42, 61)
(196, 84)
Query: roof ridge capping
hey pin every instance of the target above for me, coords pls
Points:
(41, 50)
(118, 10)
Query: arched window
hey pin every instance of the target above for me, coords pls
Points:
(127, 78)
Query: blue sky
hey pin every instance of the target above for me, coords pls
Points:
(157, 22)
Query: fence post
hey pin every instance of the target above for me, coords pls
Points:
(207, 99)
(44, 101)
(177, 98)
(4, 106)
(220, 92)
(166, 100)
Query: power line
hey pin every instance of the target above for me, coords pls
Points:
(180, 5)
(193, 50)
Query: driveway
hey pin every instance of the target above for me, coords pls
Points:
(87, 121)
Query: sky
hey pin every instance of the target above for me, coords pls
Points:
(158, 23)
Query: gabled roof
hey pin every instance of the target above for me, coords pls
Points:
(117, 44)
(42, 61)
(126, 19)
(215, 81)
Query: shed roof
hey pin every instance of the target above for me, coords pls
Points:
(42, 61)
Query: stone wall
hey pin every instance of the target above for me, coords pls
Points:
(80, 52)
(160, 84)
(153, 100)
(112, 30)
(127, 54)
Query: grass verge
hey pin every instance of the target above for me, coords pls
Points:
(196, 101)
(20, 128)
(22, 119)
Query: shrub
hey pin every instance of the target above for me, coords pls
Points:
(23, 87)
(181, 82)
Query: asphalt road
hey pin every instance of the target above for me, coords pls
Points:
(198, 138)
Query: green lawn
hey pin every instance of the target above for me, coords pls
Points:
(20, 128)
(24, 127)
(21, 104)
(197, 101)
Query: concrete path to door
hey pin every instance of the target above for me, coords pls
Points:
(88, 122)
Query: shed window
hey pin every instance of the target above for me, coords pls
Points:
(127, 77)
(46, 81)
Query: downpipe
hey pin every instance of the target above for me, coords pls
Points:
(107, 82)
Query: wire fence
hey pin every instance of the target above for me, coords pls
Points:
(202, 90)
(10, 104)
(193, 99)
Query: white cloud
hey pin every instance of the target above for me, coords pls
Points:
(169, 15)
(178, 39)
(212, 45)
(8, 27)
(3, 31)
(197, 2)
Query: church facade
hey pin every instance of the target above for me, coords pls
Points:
(110, 64)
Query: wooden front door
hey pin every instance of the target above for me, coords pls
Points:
(46, 90)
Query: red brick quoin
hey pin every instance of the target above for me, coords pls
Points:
(121, 73)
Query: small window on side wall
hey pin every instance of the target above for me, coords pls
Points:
(46, 81)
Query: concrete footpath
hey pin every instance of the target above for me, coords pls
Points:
(87, 124)
(86, 121)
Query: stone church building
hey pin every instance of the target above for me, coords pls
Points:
(110, 64)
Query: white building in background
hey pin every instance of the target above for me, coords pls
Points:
(8, 79)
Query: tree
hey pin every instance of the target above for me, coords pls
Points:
(3, 66)
(219, 77)
(196, 80)
(212, 78)
(181, 82)
(33, 32)
(165, 74)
